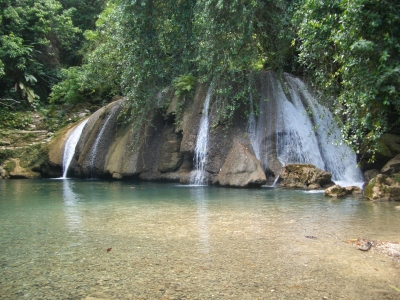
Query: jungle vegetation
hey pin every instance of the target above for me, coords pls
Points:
(55, 52)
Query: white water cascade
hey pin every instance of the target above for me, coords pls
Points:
(70, 145)
(200, 153)
(339, 160)
(97, 141)
(286, 131)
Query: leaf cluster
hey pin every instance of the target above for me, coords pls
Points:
(351, 49)
(32, 35)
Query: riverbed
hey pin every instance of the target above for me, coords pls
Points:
(91, 239)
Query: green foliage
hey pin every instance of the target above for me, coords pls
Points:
(99, 76)
(84, 17)
(32, 35)
(13, 120)
(141, 47)
(184, 84)
(351, 50)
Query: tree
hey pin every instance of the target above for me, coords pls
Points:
(141, 47)
(351, 49)
(32, 35)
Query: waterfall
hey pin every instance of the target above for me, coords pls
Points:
(70, 145)
(97, 141)
(200, 153)
(339, 159)
(252, 129)
(295, 136)
(294, 128)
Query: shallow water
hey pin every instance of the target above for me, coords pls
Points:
(179, 242)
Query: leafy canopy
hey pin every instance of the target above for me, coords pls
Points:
(148, 45)
(351, 49)
(32, 35)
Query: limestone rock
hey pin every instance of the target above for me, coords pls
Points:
(241, 168)
(3, 173)
(368, 175)
(384, 188)
(354, 190)
(55, 148)
(170, 157)
(392, 167)
(389, 145)
(15, 170)
(337, 191)
(305, 176)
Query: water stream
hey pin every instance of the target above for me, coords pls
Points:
(187, 242)
(200, 153)
(70, 145)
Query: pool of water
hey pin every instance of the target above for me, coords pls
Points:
(171, 241)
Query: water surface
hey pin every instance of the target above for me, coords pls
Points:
(178, 242)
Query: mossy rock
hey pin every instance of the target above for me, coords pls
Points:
(389, 145)
(10, 165)
(15, 170)
(384, 188)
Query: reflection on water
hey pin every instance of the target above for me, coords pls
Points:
(199, 194)
(71, 210)
(170, 242)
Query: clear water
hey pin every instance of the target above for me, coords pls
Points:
(182, 242)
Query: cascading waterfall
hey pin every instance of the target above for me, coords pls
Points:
(296, 139)
(300, 138)
(200, 153)
(70, 145)
(340, 161)
(251, 129)
(97, 141)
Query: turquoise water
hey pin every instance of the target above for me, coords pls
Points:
(178, 242)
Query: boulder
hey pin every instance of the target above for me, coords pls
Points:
(368, 175)
(3, 173)
(305, 176)
(337, 191)
(15, 170)
(389, 145)
(241, 168)
(170, 156)
(353, 190)
(384, 188)
(392, 166)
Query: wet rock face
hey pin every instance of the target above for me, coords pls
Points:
(3, 173)
(368, 175)
(389, 145)
(241, 168)
(305, 176)
(392, 167)
(170, 157)
(384, 188)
